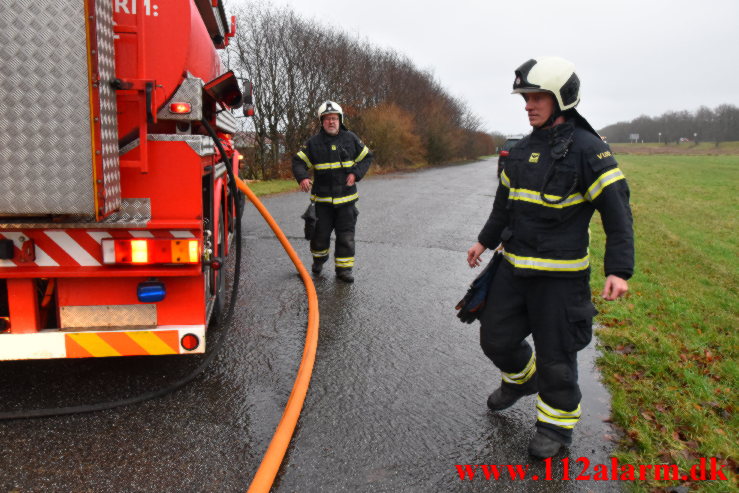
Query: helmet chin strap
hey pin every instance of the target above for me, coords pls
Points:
(556, 113)
(550, 121)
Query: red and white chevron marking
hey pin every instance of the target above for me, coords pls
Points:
(74, 247)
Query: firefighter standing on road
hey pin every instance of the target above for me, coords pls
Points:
(339, 160)
(554, 180)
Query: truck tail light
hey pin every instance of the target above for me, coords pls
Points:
(503, 153)
(190, 342)
(144, 251)
(180, 108)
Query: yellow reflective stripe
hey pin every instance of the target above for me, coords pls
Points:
(546, 263)
(534, 197)
(151, 343)
(557, 417)
(327, 165)
(348, 198)
(524, 375)
(94, 344)
(557, 413)
(334, 200)
(319, 253)
(344, 261)
(362, 154)
(316, 198)
(336, 165)
(562, 423)
(602, 182)
(305, 159)
(504, 180)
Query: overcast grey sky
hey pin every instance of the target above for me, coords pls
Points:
(634, 57)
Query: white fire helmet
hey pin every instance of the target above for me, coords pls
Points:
(330, 108)
(549, 74)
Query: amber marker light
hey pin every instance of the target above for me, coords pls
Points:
(194, 251)
(180, 108)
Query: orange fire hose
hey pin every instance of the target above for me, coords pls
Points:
(272, 460)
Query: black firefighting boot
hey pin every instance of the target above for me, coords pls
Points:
(345, 274)
(505, 396)
(317, 266)
(543, 447)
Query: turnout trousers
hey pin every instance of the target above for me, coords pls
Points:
(558, 313)
(342, 220)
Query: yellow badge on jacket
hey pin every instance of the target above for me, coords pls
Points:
(534, 158)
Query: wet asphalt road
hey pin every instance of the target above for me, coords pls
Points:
(397, 396)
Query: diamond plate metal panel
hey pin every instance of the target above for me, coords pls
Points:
(190, 91)
(201, 144)
(226, 121)
(107, 123)
(133, 213)
(46, 147)
(108, 316)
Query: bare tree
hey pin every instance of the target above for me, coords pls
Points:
(719, 125)
(295, 64)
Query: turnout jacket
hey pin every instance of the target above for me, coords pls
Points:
(578, 174)
(332, 158)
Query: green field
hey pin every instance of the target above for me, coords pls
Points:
(684, 148)
(669, 348)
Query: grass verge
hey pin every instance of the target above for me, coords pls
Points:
(269, 187)
(669, 348)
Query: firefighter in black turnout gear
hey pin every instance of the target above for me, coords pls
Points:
(338, 160)
(554, 180)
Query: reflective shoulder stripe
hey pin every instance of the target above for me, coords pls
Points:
(504, 180)
(362, 154)
(535, 198)
(602, 182)
(305, 159)
(552, 265)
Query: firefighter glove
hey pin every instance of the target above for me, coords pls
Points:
(470, 307)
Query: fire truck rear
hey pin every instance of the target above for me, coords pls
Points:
(115, 208)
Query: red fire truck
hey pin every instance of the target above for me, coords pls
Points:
(116, 119)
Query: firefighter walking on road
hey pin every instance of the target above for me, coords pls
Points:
(554, 180)
(339, 160)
